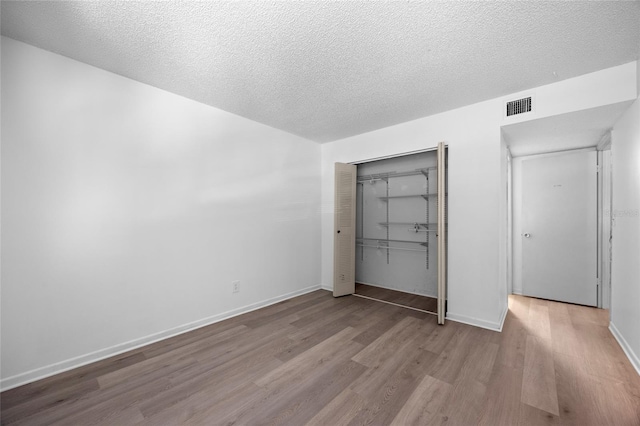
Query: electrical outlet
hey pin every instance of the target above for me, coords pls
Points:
(236, 286)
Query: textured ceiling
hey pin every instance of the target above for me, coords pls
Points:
(327, 70)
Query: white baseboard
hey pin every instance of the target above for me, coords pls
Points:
(503, 316)
(326, 287)
(633, 358)
(516, 291)
(476, 322)
(79, 361)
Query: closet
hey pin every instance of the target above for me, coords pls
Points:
(397, 229)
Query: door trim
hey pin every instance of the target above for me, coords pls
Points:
(442, 233)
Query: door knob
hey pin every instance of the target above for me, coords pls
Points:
(526, 235)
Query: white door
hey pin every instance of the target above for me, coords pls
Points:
(344, 238)
(559, 227)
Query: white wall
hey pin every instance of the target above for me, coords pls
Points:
(638, 75)
(128, 211)
(477, 182)
(625, 275)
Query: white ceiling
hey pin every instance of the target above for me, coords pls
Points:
(327, 70)
(574, 130)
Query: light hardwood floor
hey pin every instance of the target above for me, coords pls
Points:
(350, 361)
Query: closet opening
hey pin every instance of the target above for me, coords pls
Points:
(397, 231)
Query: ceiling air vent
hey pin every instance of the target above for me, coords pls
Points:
(519, 107)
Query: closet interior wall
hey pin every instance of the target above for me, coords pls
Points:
(396, 217)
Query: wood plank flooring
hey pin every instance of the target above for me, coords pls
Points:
(429, 304)
(351, 361)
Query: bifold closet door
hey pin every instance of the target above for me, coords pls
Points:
(344, 237)
(442, 236)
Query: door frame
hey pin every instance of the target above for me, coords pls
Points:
(605, 223)
(442, 275)
(516, 215)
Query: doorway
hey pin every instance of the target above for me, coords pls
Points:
(555, 226)
(399, 229)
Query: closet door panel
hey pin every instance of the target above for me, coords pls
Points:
(344, 243)
(442, 249)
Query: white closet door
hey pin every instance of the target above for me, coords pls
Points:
(344, 242)
(442, 236)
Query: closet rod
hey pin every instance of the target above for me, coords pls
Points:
(384, 240)
(389, 247)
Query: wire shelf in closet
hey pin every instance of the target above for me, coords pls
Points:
(415, 226)
(384, 240)
(390, 247)
(425, 196)
(424, 225)
(384, 176)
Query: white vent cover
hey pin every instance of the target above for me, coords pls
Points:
(519, 106)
